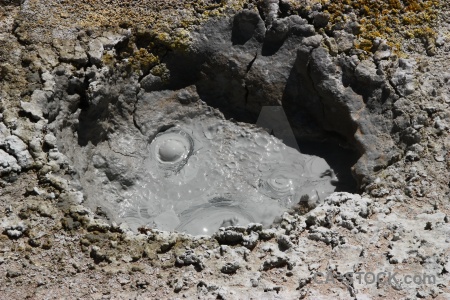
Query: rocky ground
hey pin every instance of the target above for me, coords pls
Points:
(372, 76)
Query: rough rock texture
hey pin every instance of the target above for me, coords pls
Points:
(372, 76)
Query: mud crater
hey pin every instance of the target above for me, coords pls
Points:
(185, 154)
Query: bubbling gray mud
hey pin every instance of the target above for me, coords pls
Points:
(206, 172)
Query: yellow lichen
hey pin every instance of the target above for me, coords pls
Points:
(162, 71)
(391, 20)
(143, 60)
(108, 59)
(167, 24)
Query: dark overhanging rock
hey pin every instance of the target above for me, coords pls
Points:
(339, 96)
(247, 24)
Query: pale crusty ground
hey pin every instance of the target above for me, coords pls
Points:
(100, 262)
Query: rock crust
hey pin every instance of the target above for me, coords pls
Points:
(76, 74)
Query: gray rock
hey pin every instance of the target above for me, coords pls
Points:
(58, 157)
(33, 109)
(188, 95)
(57, 181)
(383, 51)
(16, 147)
(324, 87)
(366, 72)
(271, 8)
(46, 210)
(403, 78)
(320, 19)
(247, 24)
(228, 237)
(49, 81)
(439, 158)
(156, 109)
(440, 40)
(178, 286)
(278, 31)
(79, 57)
(312, 41)
(151, 83)
(116, 170)
(15, 230)
(95, 52)
(71, 51)
(284, 243)
(48, 55)
(189, 258)
(411, 136)
(412, 156)
(97, 254)
(50, 140)
(254, 227)
(302, 30)
(35, 148)
(4, 132)
(110, 39)
(250, 241)
(8, 163)
(230, 268)
(332, 46)
(440, 125)
(41, 98)
(267, 234)
(254, 282)
(344, 40)
(324, 235)
(13, 273)
(97, 225)
(277, 260)
(73, 197)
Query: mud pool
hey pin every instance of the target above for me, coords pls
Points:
(204, 173)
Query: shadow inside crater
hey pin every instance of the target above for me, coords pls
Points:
(340, 160)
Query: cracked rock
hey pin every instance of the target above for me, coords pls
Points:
(71, 51)
(366, 72)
